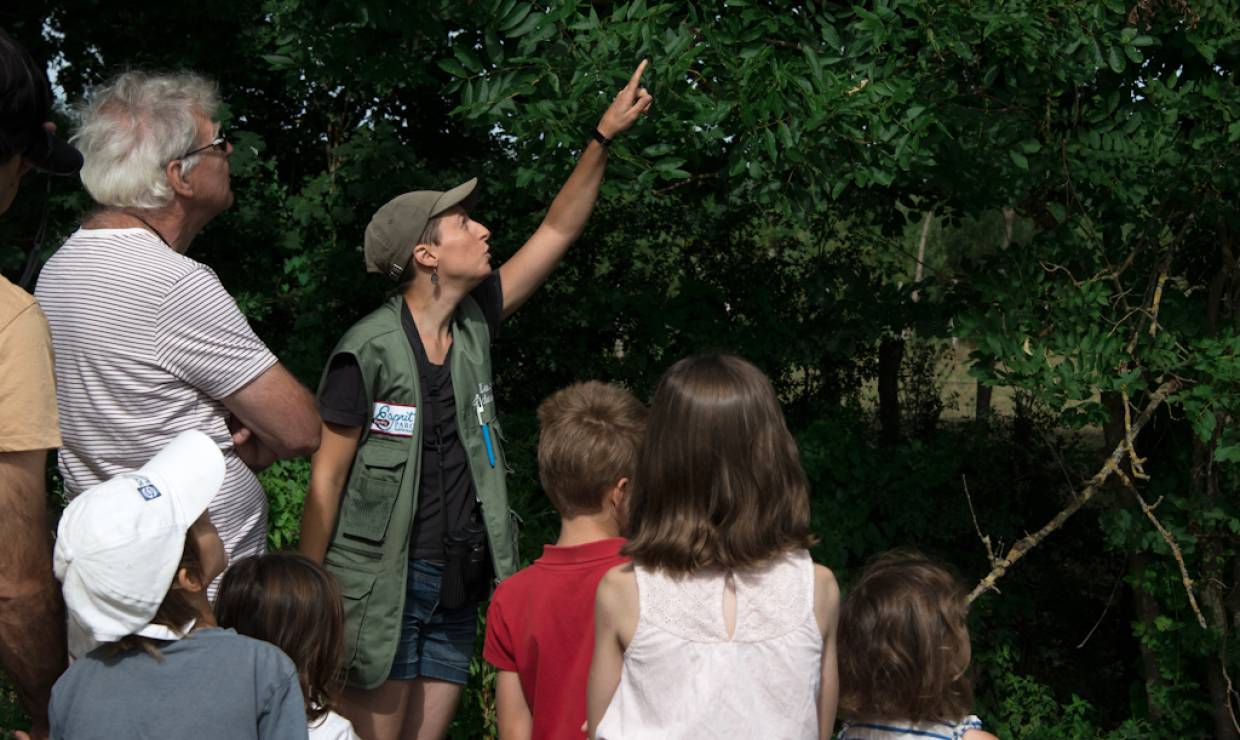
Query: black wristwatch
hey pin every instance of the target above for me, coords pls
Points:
(598, 136)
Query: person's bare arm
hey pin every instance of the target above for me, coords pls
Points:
(827, 612)
(512, 713)
(32, 621)
(279, 413)
(615, 621)
(256, 455)
(329, 471)
(526, 270)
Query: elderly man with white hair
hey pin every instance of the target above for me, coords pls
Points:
(148, 342)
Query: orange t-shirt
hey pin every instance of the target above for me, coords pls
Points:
(28, 416)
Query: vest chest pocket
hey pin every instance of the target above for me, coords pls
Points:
(372, 494)
(487, 415)
(500, 441)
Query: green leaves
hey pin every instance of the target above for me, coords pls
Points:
(285, 483)
(516, 15)
(453, 67)
(1115, 60)
(278, 61)
(531, 22)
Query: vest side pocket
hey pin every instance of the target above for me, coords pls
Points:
(355, 589)
(367, 507)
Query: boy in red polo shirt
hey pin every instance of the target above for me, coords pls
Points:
(540, 626)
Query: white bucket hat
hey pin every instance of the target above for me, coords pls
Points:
(119, 543)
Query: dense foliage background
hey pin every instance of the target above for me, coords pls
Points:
(841, 193)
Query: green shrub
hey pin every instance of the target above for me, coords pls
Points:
(286, 483)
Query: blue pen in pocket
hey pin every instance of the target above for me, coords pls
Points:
(486, 430)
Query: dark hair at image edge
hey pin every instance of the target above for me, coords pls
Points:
(290, 601)
(904, 648)
(25, 99)
(719, 482)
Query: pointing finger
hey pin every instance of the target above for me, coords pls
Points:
(637, 76)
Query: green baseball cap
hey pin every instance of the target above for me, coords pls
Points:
(397, 226)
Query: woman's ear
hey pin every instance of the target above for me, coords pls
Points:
(423, 255)
(176, 179)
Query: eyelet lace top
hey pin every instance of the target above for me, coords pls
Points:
(897, 730)
(683, 677)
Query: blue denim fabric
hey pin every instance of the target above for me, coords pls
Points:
(434, 643)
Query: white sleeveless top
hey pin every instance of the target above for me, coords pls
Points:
(683, 678)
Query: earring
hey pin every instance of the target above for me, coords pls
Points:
(435, 275)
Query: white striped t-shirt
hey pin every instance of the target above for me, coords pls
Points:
(147, 342)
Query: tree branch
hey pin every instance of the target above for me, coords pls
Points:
(1175, 548)
(1030, 541)
(985, 538)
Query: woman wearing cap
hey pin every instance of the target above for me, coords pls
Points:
(407, 502)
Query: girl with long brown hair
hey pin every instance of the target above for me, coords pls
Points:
(722, 626)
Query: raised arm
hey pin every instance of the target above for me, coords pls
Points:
(329, 470)
(530, 266)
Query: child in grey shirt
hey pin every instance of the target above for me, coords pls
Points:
(135, 555)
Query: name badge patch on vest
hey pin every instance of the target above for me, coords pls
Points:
(393, 419)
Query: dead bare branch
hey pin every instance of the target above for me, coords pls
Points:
(1114, 590)
(1231, 691)
(1030, 541)
(1148, 509)
(985, 538)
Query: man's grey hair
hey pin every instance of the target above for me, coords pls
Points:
(133, 126)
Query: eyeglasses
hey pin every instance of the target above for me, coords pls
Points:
(219, 143)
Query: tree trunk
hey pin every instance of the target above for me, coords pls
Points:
(1224, 726)
(919, 268)
(890, 357)
(1144, 605)
(1146, 608)
(1215, 568)
(981, 409)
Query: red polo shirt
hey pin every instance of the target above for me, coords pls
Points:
(541, 626)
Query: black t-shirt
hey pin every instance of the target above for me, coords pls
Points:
(446, 497)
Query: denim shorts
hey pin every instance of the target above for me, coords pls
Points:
(434, 643)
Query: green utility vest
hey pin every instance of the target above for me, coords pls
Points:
(369, 551)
